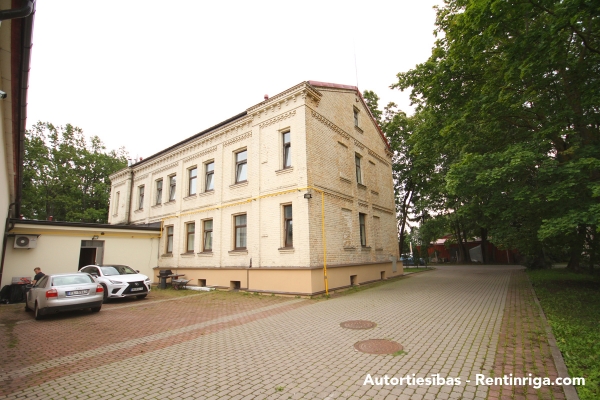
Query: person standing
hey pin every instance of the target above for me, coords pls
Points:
(38, 275)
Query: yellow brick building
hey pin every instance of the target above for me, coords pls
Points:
(295, 189)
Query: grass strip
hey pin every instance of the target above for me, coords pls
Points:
(571, 302)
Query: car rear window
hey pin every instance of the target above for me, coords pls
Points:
(71, 280)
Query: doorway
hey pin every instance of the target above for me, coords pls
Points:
(92, 252)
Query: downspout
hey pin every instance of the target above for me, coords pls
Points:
(18, 12)
(26, 32)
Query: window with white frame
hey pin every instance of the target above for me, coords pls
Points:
(241, 166)
(190, 234)
(192, 178)
(240, 232)
(159, 188)
(288, 231)
(210, 176)
(169, 239)
(208, 235)
(287, 149)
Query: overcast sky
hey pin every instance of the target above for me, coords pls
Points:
(147, 74)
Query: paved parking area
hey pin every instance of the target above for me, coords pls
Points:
(236, 346)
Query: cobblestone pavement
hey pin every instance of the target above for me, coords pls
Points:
(234, 346)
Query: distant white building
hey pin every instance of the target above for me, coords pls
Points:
(267, 199)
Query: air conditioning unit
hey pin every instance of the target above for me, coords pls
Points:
(25, 242)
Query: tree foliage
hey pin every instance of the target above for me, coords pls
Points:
(508, 106)
(65, 176)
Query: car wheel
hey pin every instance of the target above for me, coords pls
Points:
(37, 312)
(105, 293)
(96, 309)
(142, 296)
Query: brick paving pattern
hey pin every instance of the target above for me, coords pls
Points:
(231, 346)
(523, 346)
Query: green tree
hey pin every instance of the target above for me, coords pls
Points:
(511, 97)
(66, 177)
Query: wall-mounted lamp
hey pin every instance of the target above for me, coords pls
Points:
(307, 196)
(94, 237)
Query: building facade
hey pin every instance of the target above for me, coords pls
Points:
(268, 199)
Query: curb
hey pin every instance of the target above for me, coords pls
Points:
(559, 362)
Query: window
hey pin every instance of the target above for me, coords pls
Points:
(141, 197)
(241, 166)
(363, 230)
(193, 174)
(355, 116)
(210, 174)
(172, 186)
(358, 171)
(169, 241)
(288, 226)
(190, 229)
(208, 235)
(240, 232)
(287, 155)
(159, 184)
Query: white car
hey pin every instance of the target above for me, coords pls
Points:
(64, 292)
(119, 280)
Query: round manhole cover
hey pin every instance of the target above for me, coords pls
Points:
(378, 346)
(358, 324)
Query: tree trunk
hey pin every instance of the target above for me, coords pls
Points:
(484, 253)
(465, 249)
(577, 248)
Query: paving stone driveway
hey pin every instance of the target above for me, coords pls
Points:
(204, 347)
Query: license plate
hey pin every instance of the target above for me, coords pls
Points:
(135, 289)
(76, 292)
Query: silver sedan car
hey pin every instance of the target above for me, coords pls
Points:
(64, 292)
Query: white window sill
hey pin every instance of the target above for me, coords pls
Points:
(284, 171)
(238, 185)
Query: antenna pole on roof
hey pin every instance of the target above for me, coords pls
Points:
(355, 67)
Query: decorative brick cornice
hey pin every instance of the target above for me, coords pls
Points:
(378, 157)
(237, 138)
(302, 90)
(383, 209)
(141, 177)
(330, 124)
(359, 145)
(278, 118)
(166, 167)
(199, 144)
(360, 203)
(124, 173)
(200, 154)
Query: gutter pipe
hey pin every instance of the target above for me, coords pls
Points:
(22, 12)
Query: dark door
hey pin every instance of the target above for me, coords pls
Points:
(87, 256)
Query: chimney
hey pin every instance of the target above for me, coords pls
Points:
(266, 97)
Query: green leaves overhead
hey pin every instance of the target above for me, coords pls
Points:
(509, 104)
(66, 177)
